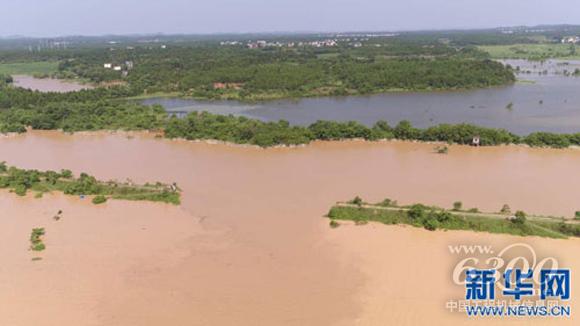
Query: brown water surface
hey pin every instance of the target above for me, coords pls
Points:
(48, 84)
(248, 245)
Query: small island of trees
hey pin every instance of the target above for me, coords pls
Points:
(20, 181)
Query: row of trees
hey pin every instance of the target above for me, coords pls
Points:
(248, 131)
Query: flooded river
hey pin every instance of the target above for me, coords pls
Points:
(249, 244)
(543, 100)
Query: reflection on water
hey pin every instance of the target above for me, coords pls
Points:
(541, 102)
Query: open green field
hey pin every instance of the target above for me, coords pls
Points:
(532, 51)
(28, 68)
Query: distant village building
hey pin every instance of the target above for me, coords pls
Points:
(108, 65)
(117, 68)
(277, 44)
(571, 40)
(129, 64)
(229, 43)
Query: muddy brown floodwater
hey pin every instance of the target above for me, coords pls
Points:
(249, 244)
(48, 84)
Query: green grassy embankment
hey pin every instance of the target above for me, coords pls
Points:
(432, 218)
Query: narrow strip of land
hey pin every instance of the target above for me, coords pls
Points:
(464, 213)
(20, 181)
(432, 218)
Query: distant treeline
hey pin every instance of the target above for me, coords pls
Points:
(123, 115)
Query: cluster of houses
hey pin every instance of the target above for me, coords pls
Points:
(230, 43)
(128, 66)
(351, 40)
(265, 44)
(571, 40)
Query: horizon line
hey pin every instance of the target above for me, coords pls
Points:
(296, 32)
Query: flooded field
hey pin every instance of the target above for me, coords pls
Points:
(543, 100)
(249, 244)
(48, 84)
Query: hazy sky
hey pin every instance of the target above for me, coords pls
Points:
(95, 17)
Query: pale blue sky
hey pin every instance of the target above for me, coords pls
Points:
(96, 17)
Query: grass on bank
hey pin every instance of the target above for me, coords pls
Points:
(532, 51)
(432, 218)
(38, 68)
(21, 181)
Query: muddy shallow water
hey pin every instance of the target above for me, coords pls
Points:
(249, 244)
(48, 84)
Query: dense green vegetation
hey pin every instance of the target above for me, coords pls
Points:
(80, 116)
(209, 71)
(242, 130)
(36, 243)
(253, 75)
(247, 131)
(432, 218)
(20, 181)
